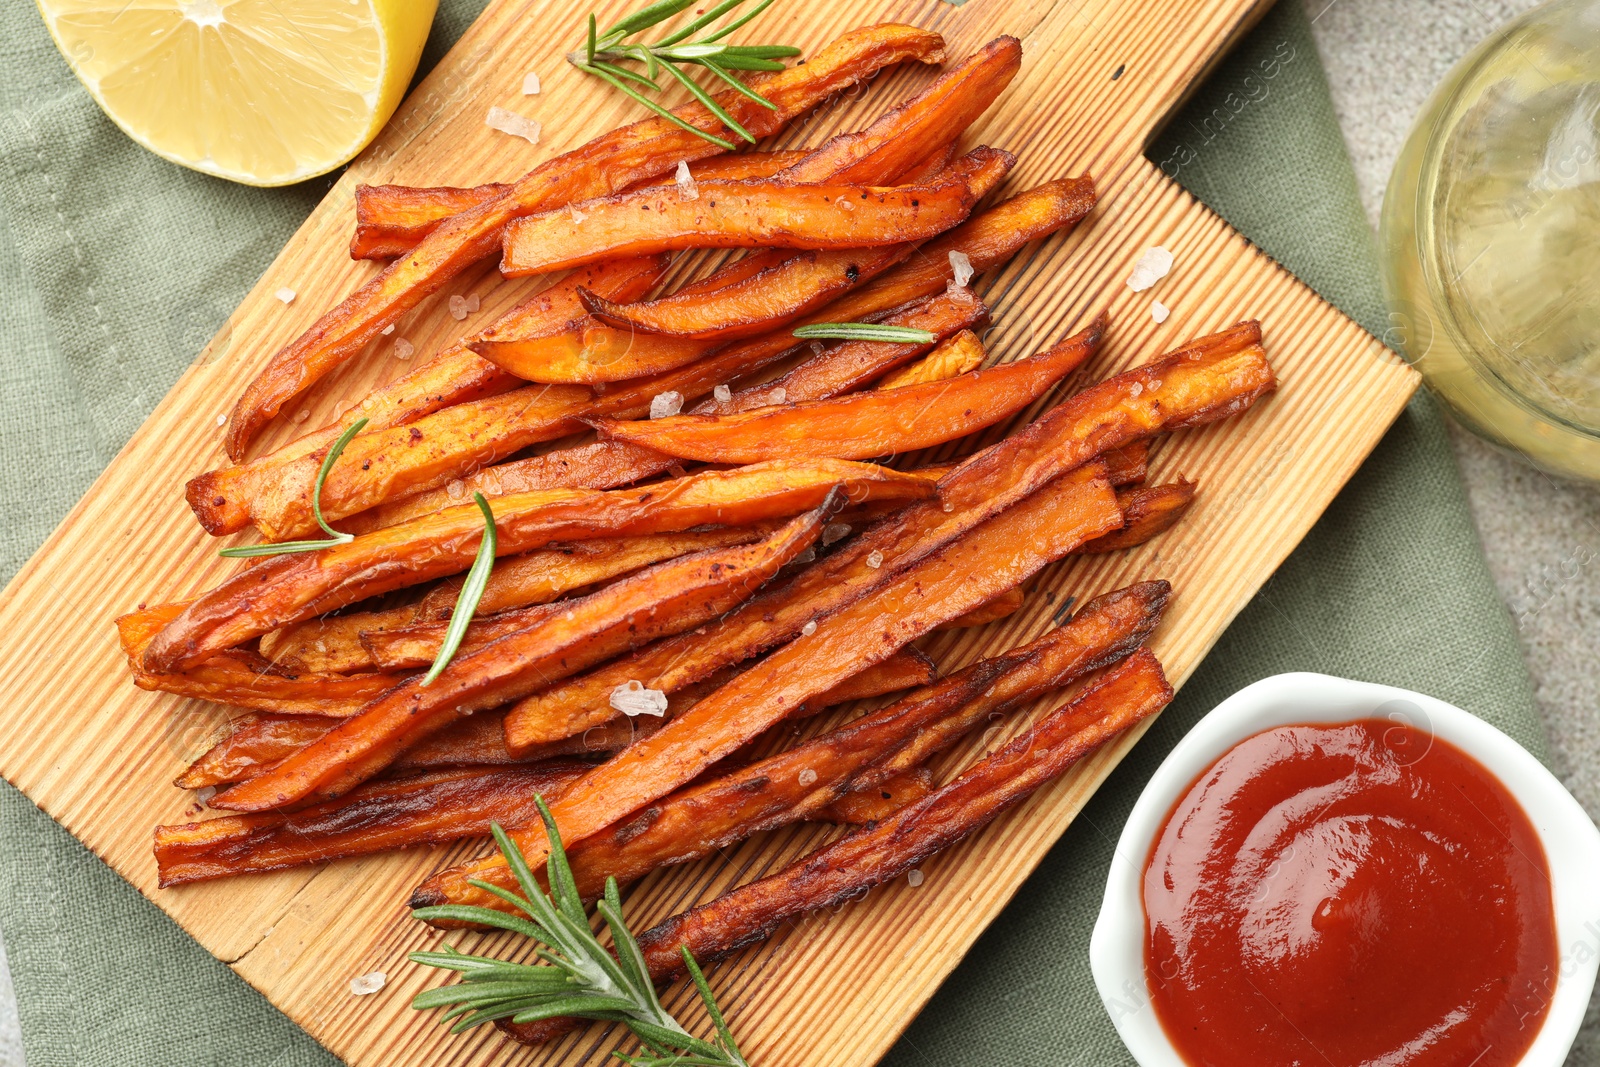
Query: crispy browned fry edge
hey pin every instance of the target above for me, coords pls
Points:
(1147, 511)
(378, 817)
(786, 289)
(285, 589)
(1001, 553)
(611, 161)
(769, 793)
(733, 215)
(871, 856)
(228, 499)
(1007, 603)
(607, 465)
(880, 801)
(880, 422)
(258, 742)
(245, 679)
(664, 599)
(391, 219)
(952, 356)
(1209, 379)
(1129, 464)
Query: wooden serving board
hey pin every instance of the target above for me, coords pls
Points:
(1097, 77)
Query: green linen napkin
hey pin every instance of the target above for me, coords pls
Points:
(109, 294)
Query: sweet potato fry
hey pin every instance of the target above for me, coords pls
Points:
(245, 679)
(259, 742)
(1209, 379)
(1001, 553)
(286, 589)
(766, 214)
(878, 423)
(665, 599)
(276, 485)
(465, 439)
(784, 290)
(391, 219)
(869, 857)
(880, 801)
(954, 355)
(988, 240)
(537, 577)
(1007, 603)
(610, 162)
(1129, 693)
(378, 817)
(877, 154)
(1147, 511)
(859, 755)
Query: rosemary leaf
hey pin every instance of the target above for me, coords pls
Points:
(863, 331)
(471, 593)
(334, 536)
(578, 978)
(602, 54)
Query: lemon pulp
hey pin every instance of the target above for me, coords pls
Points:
(265, 92)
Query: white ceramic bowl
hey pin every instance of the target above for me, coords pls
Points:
(1571, 844)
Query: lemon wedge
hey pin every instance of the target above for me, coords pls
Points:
(265, 92)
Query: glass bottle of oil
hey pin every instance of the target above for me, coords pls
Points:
(1491, 239)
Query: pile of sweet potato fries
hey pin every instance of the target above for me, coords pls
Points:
(750, 561)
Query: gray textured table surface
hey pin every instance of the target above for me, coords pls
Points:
(1542, 537)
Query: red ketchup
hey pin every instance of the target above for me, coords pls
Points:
(1334, 895)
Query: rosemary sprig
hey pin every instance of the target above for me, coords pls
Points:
(863, 331)
(580, 978)
(471, 592)
(603, 54)
(334, 536)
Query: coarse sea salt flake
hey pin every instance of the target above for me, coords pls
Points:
(961, 267)
(387, 330)
(778, 395)
(368, 983)
(285, 294)
(913, 878)
(809, 628)
(687, 189)
(1151, 268)
(835, 531)
(510, 122)
(403, 348)
(458, 307)
(874, 559)
(722, 393)
(1159, 311)
(222, 420)
(808, 776)
(530, 84)
(577, 216)
(633, 699)
(664, 405)
(473, 303)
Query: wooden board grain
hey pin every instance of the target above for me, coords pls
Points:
(1097, 77)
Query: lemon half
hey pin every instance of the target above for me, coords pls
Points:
(265, 92)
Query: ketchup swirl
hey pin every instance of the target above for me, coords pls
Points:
(1355, 894)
